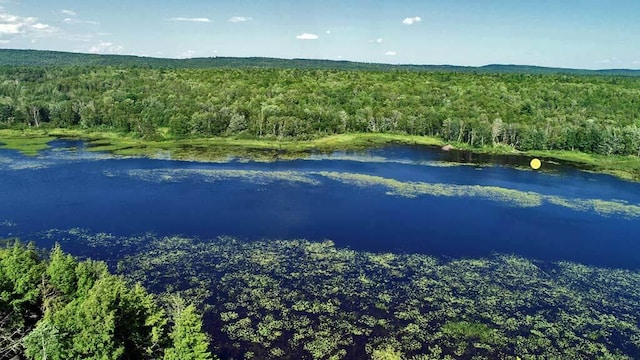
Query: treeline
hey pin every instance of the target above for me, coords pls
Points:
(16, 57)
(54, 307)
(596, 114)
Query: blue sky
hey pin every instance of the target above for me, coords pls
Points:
(589, 34)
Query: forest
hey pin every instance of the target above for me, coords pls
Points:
(14, 57)
(597, 114)
(55, 307)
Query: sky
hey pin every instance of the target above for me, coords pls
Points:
(586, 34)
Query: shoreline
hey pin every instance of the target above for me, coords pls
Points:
(31, 141)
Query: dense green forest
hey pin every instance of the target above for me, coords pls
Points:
(54, 307)
(57, 58)
(594, 114)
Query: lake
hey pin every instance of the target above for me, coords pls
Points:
(68, 187)
(350, 254)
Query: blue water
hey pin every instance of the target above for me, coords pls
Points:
(66, 187)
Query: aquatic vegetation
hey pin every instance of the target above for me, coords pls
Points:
(8, 223)
(366, 158)
(51, 158)
(414, 189)
(602, 207)
(28, 165)
(505, 196)
(71, 156)
(32, 163)
(299, 299)
(448, 164)
(393, 187)
(213, 175)
(28, 142)
(217, 149)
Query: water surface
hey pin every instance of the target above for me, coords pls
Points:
(67, 187)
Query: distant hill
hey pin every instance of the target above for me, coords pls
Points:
(9, 57)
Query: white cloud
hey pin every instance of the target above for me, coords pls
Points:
(68, 12)
(5, 41)
(13, 25)
(390, 53)
(636, 62)
(237, 19)
(203, 20)
(187, 54)
(412, 20)
(377, 41)
(106, 47)
(40, 26)
(10, 29)
(307, 36)
(328, 32)
(78, 21)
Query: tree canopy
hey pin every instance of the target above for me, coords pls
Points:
(59, 308)
(594, 114)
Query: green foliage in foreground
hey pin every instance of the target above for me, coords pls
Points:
(189, 343)
(59, 308)
(305, 300)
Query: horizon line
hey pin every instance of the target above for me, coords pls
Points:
(325, 59)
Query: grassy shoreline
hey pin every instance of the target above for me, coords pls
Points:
(31, 141)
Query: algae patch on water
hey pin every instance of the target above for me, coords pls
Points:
(415, 189)
(8, 223)
(393, 187)
(213, 175)
(270, 299)
(510, 197)
(373, 159)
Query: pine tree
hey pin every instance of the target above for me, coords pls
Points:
(189, 341)
(62, 273)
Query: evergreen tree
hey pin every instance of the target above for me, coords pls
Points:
(189, 341)
(62, 273)
(90, 314)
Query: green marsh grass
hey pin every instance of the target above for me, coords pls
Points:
(27, 142)
(30, 141)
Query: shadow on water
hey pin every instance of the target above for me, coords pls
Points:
(469, 157)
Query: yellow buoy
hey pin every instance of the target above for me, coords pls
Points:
(535, 164)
